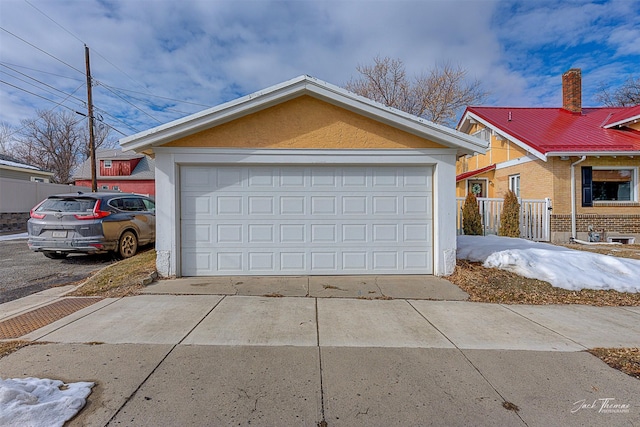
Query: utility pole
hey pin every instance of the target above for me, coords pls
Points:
(92, 142)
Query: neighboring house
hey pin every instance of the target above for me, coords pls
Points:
(586, 160)
(15, 169)
(304, 178)
(116, 170)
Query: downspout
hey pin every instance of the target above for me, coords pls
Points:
(573, 196)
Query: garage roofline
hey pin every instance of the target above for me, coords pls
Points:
(294, 88)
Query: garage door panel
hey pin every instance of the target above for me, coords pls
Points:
(306, 220)
(229, 233)
(292, 205)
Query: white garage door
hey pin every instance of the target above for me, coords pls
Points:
(284, 220)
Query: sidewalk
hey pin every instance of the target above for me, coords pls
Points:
(166, 359)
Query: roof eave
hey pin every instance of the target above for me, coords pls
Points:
(593, 153)
(623, 122)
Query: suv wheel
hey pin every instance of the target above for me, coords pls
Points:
(128, 245)
(55, 255)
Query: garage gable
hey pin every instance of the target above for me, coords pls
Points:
(304, 122)
(304, 178)
(331, 110)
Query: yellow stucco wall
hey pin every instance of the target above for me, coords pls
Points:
(304, 122)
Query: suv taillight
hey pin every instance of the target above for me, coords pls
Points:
(33, 214)
(96, 214)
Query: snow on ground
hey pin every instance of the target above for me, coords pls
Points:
(14, 236)
(39, 402)
(562, 267)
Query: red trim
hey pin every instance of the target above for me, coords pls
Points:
(466, 175)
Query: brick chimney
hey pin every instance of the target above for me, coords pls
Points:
(572, 90)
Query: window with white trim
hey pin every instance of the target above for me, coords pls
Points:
(514, 184)
(104, 187)
(107, 164)
(614, 184)
(116, 188)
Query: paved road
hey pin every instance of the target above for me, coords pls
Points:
(23, 272)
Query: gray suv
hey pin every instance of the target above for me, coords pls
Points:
(92, 223)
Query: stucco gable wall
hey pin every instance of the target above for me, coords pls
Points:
(304, 122)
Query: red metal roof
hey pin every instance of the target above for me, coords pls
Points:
(475, 172)
(623, 116)
(558, 130)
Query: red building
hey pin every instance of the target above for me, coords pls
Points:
(116, 170)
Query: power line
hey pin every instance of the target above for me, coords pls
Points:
(39, 81)
(94, 50)
(133, 105)
(58, 104)
(149, 103)
(36, 47)
(8, 65)
(157, 96)
(51, 19)
(116, 118)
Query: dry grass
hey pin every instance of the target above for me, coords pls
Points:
(626, 360)
(123, 278)
(499, 286)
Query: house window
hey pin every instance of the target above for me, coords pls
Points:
(614, 184)
(107, 164)
(38, 179)
(514, 184)
(115, 188)
(104, 187)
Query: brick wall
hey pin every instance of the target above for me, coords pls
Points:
(617, 224)
(572, 90)
(13, 222)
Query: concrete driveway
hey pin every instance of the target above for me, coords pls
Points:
(236, 359)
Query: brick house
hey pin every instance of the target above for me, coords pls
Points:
(586, 160)
(119, 170)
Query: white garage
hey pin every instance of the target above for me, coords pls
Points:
(306, 220)
(304, 178)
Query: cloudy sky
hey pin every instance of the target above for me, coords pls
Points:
(154, 61)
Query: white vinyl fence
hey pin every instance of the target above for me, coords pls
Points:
(18, 195)
(535, 217)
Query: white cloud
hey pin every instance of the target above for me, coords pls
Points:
(211, 52)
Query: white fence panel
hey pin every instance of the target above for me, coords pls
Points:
(18, 195)
(535, 217)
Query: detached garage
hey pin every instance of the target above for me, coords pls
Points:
(304, 178)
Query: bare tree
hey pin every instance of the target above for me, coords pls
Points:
(626, 95)
(101, 135)
(436, 96)
(52, 141)
(6, 132)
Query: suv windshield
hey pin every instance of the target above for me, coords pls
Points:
(67, 205)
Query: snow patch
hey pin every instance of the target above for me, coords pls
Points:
(562, 267)
(39, 402)
(14, 236)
